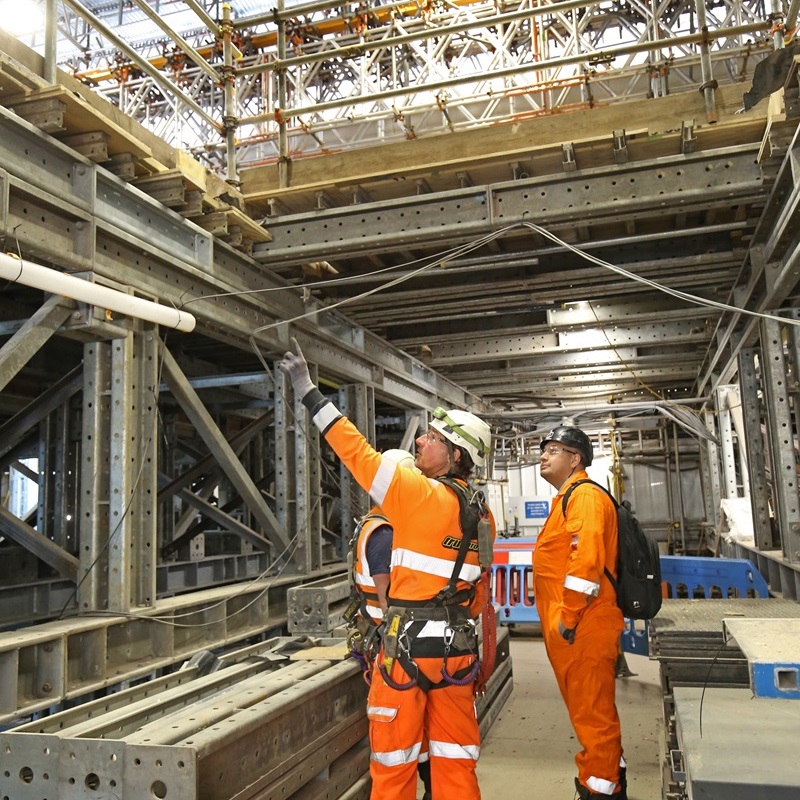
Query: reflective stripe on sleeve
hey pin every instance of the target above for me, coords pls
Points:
(326, 416)
(452, 750)
(396, 758)
(600, 785)
(441, 567)
(581, 585)
(380, 483)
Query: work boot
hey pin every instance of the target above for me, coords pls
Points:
(587, 794)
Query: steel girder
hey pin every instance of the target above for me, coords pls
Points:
(94, 221)
(273, 720)
(555, 202)
(44, 665)
(771, 267)
(593, 197)
(250, 730)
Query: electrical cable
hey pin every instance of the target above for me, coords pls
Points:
(677, 293)
(436, 258)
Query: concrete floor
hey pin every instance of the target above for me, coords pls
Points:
(529, 752)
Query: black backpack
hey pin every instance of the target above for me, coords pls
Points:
(638, 585)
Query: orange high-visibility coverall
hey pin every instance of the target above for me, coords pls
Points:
(425, 517)
(570, 587)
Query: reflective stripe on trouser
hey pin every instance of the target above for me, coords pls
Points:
(399, 720)
(586, 675)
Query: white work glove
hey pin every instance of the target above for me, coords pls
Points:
(295, 366)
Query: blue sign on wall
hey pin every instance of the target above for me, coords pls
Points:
(536, 509)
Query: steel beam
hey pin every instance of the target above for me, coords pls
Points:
(31, 539)
(19, 426)
(222, 451)
(316, 608)
(28, 340)
(553, 201)
(44, 665)
(225, 521)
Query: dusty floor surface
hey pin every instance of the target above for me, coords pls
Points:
(529, 752)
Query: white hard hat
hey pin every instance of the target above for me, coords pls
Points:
(466, 430)
(401, 457)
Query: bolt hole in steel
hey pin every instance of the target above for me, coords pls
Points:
(92, 781)
(159, 790)
(26, 775)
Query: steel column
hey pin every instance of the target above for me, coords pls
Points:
(124, 474)
(308, 490)
(756, 457)
(779, 419)
(727, 452)
(95, 477)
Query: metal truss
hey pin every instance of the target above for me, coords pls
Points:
(322, 77)
(161, 471)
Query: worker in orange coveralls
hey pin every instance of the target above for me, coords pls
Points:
(581, 623)
(371, 551)
(423, 678)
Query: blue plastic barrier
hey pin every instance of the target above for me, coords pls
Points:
(512, 593)
(698, 577)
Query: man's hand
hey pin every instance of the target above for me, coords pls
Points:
(295, 366)
(566, 633)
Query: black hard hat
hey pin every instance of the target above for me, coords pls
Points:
(571, 437)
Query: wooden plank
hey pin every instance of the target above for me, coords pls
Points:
(387, 170)
(81, 117)
(333, 652)
(249, 227)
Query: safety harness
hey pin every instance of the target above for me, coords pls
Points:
(406, 618)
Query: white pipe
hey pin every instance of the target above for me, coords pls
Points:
(55, 282)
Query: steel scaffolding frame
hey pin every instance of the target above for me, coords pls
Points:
(314, 78)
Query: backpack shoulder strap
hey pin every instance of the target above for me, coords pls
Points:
(564, 500)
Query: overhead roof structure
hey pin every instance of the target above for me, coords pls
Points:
(550, 204)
